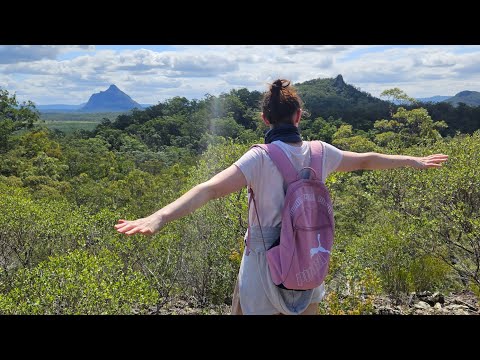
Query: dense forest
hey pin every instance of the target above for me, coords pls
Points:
(397, 231)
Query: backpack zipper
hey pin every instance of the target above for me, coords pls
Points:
(311, 227)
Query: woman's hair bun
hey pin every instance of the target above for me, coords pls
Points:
(280, 102)
(279, 84)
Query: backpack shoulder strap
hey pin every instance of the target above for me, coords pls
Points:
(281, 160)
(316, 157)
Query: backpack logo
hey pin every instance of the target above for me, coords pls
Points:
(318, 249)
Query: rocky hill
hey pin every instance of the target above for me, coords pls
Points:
(112, 99)
(471, 98)
(334, 97)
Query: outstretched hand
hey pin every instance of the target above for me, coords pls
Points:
(431, 161)
(145, 226)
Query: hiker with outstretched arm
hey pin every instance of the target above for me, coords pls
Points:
(256, 291)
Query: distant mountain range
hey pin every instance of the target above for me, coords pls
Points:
(111, 100)
(434, 99)
(60, 107)
(471, 98)
(323, 94)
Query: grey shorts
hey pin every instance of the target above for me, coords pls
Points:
(258, 294)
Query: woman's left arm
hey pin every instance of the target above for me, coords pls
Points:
(222, 184)
(352, 161)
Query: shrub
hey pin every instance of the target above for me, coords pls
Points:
(78, 283)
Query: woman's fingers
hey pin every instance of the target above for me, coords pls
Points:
(429, 163)
(133, 231)
(432, 161)
(126, 227)
(133, 227)
(123, 225)
(437, 157)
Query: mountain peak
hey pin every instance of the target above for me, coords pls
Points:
(465, 93)
(112, 99)
(113, 87)
(338, 82)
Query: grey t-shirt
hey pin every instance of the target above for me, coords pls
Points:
(267, 183)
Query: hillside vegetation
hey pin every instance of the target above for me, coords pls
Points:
(397, 231)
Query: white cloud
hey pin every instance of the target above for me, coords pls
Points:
(302, 49)
(11, 54)
(420, 71)
(42, 74)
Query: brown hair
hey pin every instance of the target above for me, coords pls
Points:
(280, 102)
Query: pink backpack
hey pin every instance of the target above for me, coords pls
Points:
(300, 260)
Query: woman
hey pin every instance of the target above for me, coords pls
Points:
(282, 111)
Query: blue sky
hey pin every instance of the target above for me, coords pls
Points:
(69, 74)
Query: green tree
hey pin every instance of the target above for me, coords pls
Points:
(14, 116)
(398, 95)
(345, 139)
(319, 129)
(407, 127)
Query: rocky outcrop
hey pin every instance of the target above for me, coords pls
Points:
(428, 303)
(338, 82)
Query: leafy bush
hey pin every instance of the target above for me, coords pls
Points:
(78, 283)
(354, 296)
(211, 235)
(415, 229)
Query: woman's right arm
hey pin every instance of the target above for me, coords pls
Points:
(352, 161)
(222, 184)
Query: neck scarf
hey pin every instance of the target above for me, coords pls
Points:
(283, 132)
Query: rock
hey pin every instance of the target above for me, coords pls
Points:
(422, 312)
(442, 311)
(424, 294)
(338, 82)
(470, 306)
(429, 303)
(386, 310)
(411, 299)
(438, 297)
(457, 309)
(422, 305)
(435, 298)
